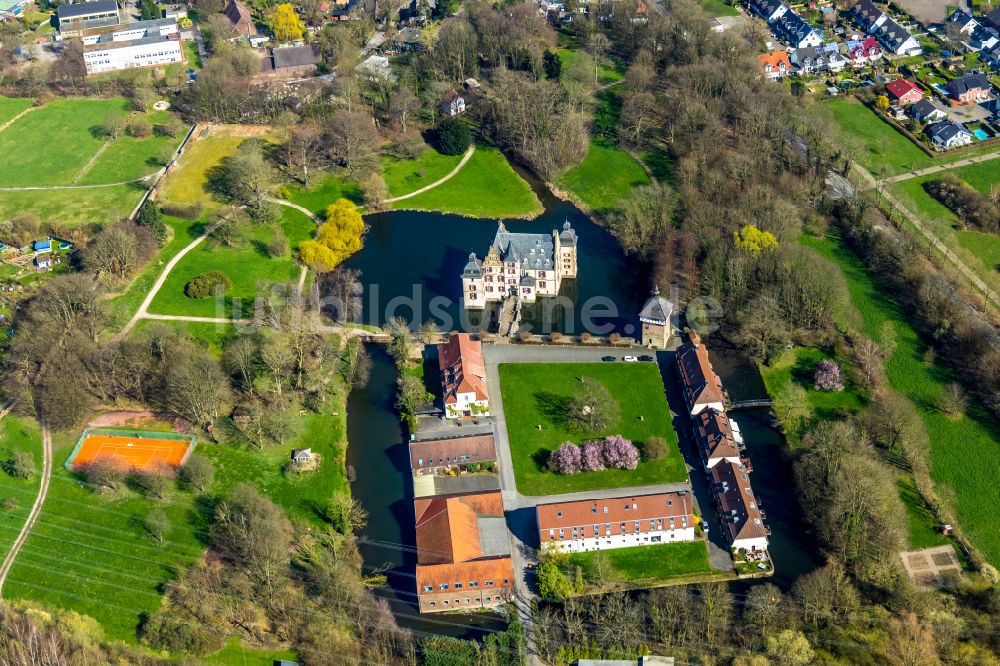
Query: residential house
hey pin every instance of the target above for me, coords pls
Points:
(818, 59)
(291, 61)
(638, 520)
(463, 552)
(795, 30)
(452, 103)
(408, 39)
(702, 388)
(718, 438)
(463, 377)
(43, 262)
(991, 56)
(769, 10)
(654, 319)
(903, 91)
(72, 20)
(376, 68)
(969, 89)
(925, 111)
(775, 64)
(897, 39)
(301, 455)
(519, 265)
(963, 21)
(739, 511)
(984, 37)
(948, 134)
(868, 17)
(431, 455)
(863, 52)
(241, 18)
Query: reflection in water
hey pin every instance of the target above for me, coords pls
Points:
(378, 456)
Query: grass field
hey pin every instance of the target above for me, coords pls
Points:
(965, 454)
(247, 265)
(718, 8)
(405, 176)
(89, 553)
(128, 158)
(799, 365)
(648, 563)
(605, 176)
(605, 73)
(17, 434)
(11, 106)
(535, 393)
(877, 146)
(51, 145)
(186, 184)
(235, 654)
(324, 191)
(213, 335)
(73, 207)
(487, 186)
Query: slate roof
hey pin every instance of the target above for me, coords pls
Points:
(294, 56)
(924, 108)
(793, 27)
(964, 84)
(473, 269)
(657, 310)
(714, 433)
(87, 8)
(894, 34)
(738, 507)
(962, 18)
(867, 14)
(945, 131)
(532, 251)
(567, 236)
(993, 18)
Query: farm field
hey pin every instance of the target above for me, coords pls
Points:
(639, 391)
(649, 563)
(487, 186)
(605, 176)
(11, 106)
(965, 454)
(247, 265)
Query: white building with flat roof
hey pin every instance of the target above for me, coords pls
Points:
(109, 55)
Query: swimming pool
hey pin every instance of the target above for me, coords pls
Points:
(980, 134)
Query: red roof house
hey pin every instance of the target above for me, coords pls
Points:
(463, 377)
(903, 91)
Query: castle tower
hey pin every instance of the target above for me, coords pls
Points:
(655, 320)
(472, 283)
(565, 249)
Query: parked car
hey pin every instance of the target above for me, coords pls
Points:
(608, 359)
(630, 359)
(647, 358)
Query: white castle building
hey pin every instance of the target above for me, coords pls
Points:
(524, 265)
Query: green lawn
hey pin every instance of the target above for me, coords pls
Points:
(236, 654)
(605, 74)
(535, 393)
(405, 176)
(51, 145)
(89, 553)
(128, 158)
(985, 246)
(11, 106)
(877, 146)
(605, 176)
(965, 454)
(487, 186)
(17, 434)
(921, 524)
(649, 563)
(323, 191)
(73, 207)
(799, 365)
(213, 335)
(247, 265)
(186, 183)
(718, 8)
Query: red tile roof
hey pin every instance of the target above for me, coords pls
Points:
(901, 87)
(493, 570)
(629, 509)
(447, 451)
(701, 385)
(738, 507)
(775, 60)
(463, 368)
(446, 525)
(714, 433)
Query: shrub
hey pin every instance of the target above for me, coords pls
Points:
(21, 465)
(149, 216)
(970, 205)
(619, 453)
(278, 245)
(655, 448)
(552, 582)
(140, 128)
(828, 377)
(102, 475)
(453, 136)
(566, 459)
(592, 458)
(166, 129)
(213, 283)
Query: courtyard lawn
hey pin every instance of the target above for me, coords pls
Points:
(51, 145)
(650, 563)
(605, 176)
(487, 186)
(72, 207)
(186, 184)
(405, 176)
(247, 265)
(323, 191)
(799, 365)
(534, 394)
(11, 106)
(17, 495)
(965, 454)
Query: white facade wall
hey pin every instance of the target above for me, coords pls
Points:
(698, 409)
(465, 402)
(128, 34)
(129, 57)
(577, 545)
(756, 544)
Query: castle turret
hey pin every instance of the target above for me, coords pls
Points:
(472, 283)
(565, 243)
(655, 320)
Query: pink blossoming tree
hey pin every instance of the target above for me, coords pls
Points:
(593, 457)
(828, 377)
(565, 459)
(620, 453)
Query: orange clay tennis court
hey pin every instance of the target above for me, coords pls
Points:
(131, 451)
